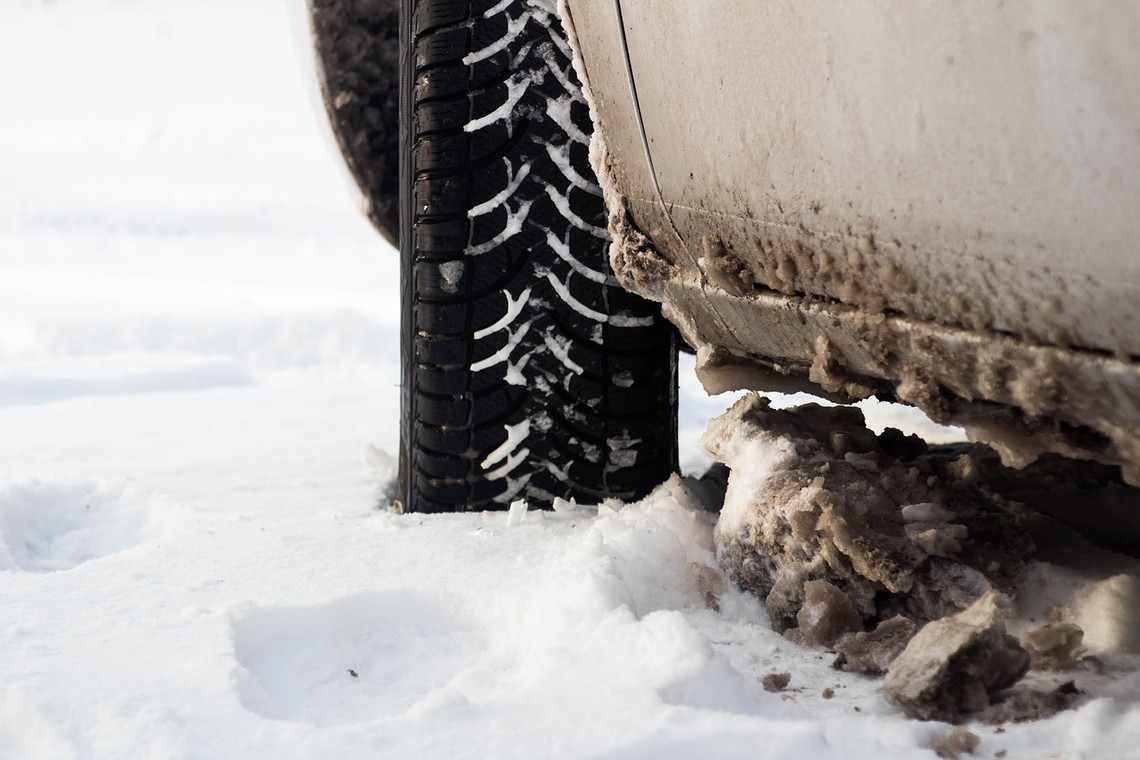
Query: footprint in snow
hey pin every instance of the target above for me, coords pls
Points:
(45, 527)
(29, 733)
(355, 659)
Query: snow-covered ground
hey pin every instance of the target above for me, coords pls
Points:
(197, 388)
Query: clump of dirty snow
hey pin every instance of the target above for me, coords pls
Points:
(937, 566)
(1111, 613)
(838, 528)
(956, 743)
(1054, 646)
(872, 651)
(956, 666)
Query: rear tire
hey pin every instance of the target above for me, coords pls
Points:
(527, 371)
(357, 47)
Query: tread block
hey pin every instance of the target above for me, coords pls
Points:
(444, 319)
(440, 195)
(443, 382)
(449, 467)
(429, 15)
(434, 240)
(440, 152)
(443, 439)
(441, 115)
(439, 494)
(440, 82)
(446, 46)
(445, 412)
(437, 351)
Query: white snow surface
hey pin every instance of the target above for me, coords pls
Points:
(198, 412)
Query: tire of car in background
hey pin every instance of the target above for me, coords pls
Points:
(357, 47)
(527, 371)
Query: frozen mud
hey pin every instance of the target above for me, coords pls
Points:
(958, 742)
(907, 559)
(872, 651)
(957, 665)
(839, 529)
(1054, 646)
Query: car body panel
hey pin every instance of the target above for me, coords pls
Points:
(887, 197)
(600, 41)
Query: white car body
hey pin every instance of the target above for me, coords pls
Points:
(930, 202)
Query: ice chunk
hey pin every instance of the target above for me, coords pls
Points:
(813, 495)
(938, 539)
(776, 681)
(926, 512)
(563, 507)
(826, 614)
(452, 273)
(517, 513)
(957, 742)
(1110, 614)
(950, 669)
(1022, 704)
(1054, 646)
(872, 651)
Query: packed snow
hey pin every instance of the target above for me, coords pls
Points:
(198, 416)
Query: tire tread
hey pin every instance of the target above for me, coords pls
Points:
(484, 190)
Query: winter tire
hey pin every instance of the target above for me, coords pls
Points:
(527, 371)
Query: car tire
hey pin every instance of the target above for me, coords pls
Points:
(527, 371)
